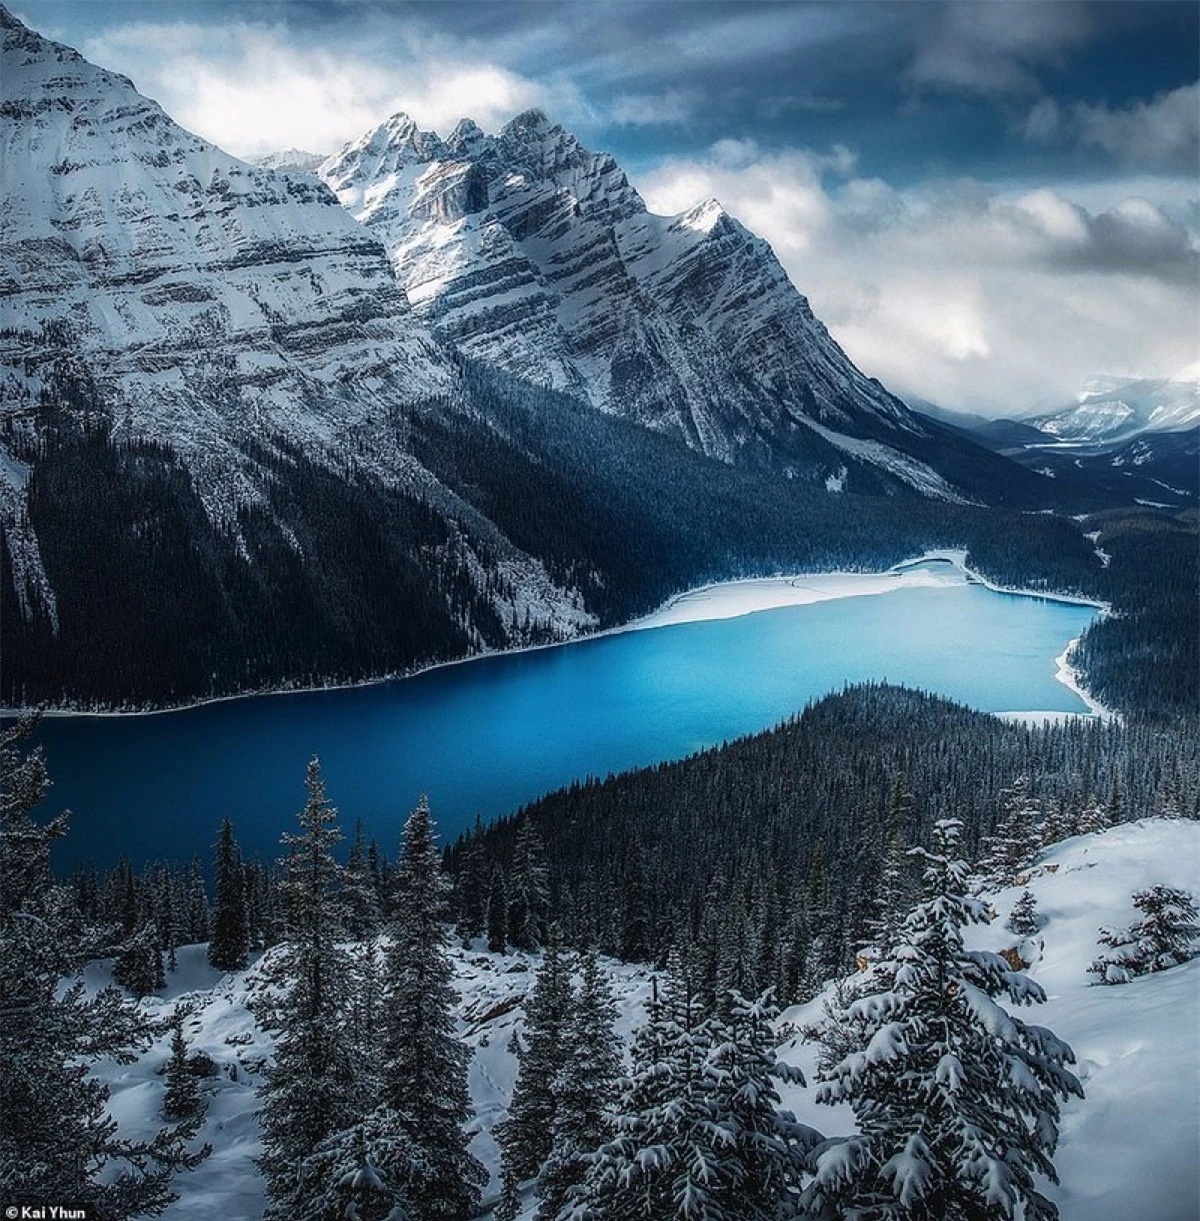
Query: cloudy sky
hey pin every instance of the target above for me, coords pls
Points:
(986, 202)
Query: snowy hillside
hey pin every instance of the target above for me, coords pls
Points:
(531, 252)
(1128, 1149)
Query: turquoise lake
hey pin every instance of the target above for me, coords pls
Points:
(492, 734)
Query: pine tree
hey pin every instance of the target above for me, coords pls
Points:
(57, 1140)
(138, 965)
(1012, 847)
(957, 1101)
(892, 895)
(497, 913)
(670, 1157)
(1024, 920)
(769, 1146)
(309, 1094)
(197, 904)
(229, 939)
(585, 1090)
(472, 887)
(181, 1096)
(525, 1136)
(1164, 938)
(528, 889)
(423, 1074)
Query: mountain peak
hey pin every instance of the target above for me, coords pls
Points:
(532, 120)
(704, 216)
(466, 138)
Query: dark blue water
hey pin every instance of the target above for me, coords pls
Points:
(489, 735)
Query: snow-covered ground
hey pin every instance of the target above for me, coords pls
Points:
(1129, 1149)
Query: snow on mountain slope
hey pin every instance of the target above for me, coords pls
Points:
(1111, 409)
(531, 252)
(289, 160)
(1129, 1148)
(156, 286)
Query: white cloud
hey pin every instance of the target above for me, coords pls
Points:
(958, 293)
(249, 89)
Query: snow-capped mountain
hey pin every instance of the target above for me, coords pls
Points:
(1110, 410)
(188, 299)
(530, 252)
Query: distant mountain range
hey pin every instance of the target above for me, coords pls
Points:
(471, 394)
(1134, 439)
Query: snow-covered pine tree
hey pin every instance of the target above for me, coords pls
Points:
(892, 895)
(528, 889)
(1164, 938)
(670, 1157)
(57, 1139)
(423, 1073)
(229, 938)
(1014, 844)
(585, 1090)
(197, 904)
(181, 1095)
(1024, 920)
(957, 1101)
(497, 913)
(138, 965)
(769, 1147)
(309, 1093)
(471, 887)
(1093, 818)
(365, 1017)
(526, 1135)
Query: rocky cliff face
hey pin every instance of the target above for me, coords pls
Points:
(530, 252)
(153, 286)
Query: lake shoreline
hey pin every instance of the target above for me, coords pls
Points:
(785, 590)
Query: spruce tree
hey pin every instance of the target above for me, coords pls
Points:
(497, 913)
(670, 1157)
(526, 1135)
(1164, 938)
(768, 1146)
(181, 1095)
(585, 1089)
(229, 937)
(1024, 920)
(138, 964)
(1014, 844)
(471, 886)
(528, 889)
(309, 1093)
(957, 1101)
(58, 1141)
(423, 1072)
(360, 898)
